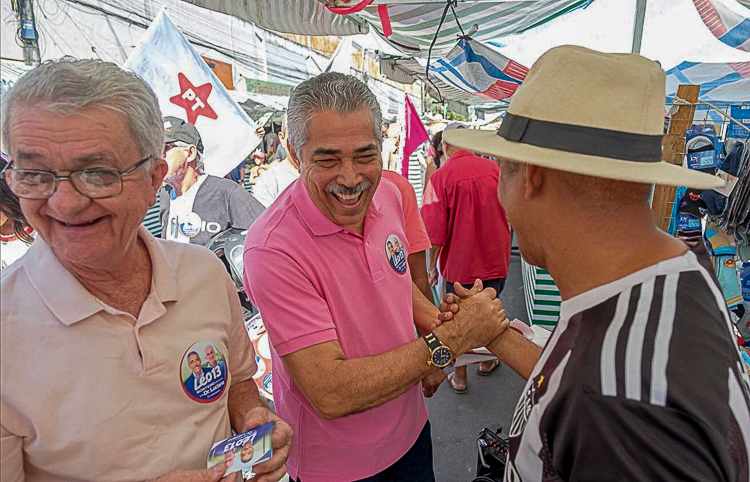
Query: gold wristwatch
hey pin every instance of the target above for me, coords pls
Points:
(440, 355)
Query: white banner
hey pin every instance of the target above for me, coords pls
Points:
(188, 89)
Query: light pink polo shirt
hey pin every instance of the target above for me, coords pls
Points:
(315, 282)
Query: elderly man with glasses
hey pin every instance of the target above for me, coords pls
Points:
(99, 318)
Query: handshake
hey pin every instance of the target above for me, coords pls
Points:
(471, 318)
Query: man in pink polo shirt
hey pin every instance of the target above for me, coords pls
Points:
(337, 302)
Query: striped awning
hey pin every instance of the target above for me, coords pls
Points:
(720, 83)
(302, 17)
(414, 24)
(726, 25)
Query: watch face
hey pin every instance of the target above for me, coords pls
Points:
(441, 357)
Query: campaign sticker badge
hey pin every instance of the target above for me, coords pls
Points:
(203, 372)
(190, 224)
(395, 253)
(243, 451)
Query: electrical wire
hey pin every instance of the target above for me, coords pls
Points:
(448, 5)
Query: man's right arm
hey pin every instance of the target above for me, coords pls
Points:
(513, 349)
(337, 386)
(301, 329)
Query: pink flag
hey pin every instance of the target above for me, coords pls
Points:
(415, 134)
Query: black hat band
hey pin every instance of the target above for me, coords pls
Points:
(589, 141)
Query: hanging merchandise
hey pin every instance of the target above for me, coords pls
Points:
(700, 149)
(736, 216)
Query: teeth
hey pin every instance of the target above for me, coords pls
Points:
(348, 197)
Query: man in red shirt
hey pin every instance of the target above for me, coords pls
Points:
(468, 229)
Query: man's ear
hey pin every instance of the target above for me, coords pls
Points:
(291, 152)
(534, 177)
(157, 176)
(192, 154)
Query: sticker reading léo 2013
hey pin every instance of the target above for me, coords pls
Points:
(395, 253)
(203, 372)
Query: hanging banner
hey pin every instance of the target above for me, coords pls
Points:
(187, 88)
(731, 28)
(415, 134)
(477, 69)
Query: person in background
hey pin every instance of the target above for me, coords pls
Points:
(434, 157)
(279, 176)
(100, 316)
(468, 230)
(391, 162)
(196, 206)
(15, 233)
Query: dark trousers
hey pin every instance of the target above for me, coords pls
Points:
(497, 283)
(414, 466)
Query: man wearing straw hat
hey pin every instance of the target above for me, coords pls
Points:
(641, 379)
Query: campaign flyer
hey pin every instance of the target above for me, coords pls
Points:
(244, 450)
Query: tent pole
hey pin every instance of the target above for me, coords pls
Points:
(640, 17)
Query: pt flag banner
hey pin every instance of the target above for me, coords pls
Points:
(187, 88)
(414, 135)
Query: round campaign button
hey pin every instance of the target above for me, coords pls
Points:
(190, 224)
(395, 253)
(203, 372)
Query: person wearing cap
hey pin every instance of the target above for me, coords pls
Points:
(279, 176)
(468, 230)
(340, 316)
(642, 377)
(194, 205)
(100, 321)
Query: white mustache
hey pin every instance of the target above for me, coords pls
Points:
(348, 191)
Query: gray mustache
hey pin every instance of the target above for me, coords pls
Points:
(349, 191)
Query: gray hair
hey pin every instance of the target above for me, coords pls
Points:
(199, 163)
(330, 91)
(67, 85)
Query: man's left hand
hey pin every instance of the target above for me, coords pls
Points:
(274, 469)
(431, 382)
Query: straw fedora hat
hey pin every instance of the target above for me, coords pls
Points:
(587, 112)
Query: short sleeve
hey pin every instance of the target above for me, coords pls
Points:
(416, 232)
(244, 209)
(636, 441)
(295, 314)
(266, 189)
(435, 212)
(242, 364)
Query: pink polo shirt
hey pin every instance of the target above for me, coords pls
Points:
(315, 282)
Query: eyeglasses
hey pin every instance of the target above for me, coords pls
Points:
(92, 183)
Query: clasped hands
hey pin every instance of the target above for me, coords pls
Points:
(476, 315)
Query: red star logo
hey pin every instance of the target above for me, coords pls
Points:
(194, 99)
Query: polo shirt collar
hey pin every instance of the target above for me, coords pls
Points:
(318, 223)
(69, 301)
(165, 281)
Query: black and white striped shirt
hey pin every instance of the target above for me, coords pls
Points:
(641, 381)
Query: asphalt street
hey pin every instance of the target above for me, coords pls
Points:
(457, 419)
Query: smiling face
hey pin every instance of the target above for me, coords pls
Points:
(341, 165)
(194, 362)
(94, 233)
(211, 356)
(247, 453)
